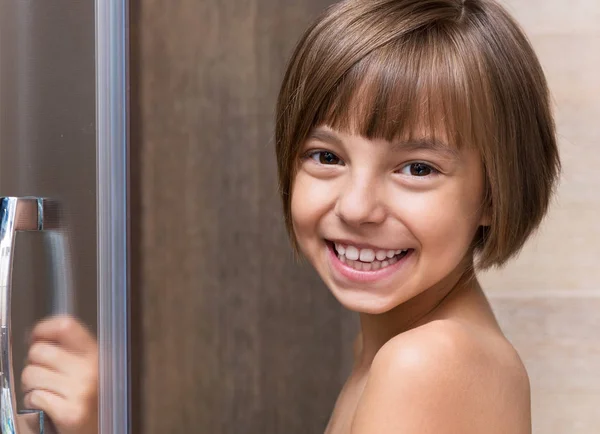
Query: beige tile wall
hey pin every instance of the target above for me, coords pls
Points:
(548, 299)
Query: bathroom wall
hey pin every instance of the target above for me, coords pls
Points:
(229, 334)
(548, 299)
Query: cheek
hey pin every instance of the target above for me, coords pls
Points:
(443, 222)
(456, 213)
(311, 199)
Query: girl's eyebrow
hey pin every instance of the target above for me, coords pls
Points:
(427, 144)
(325, 136)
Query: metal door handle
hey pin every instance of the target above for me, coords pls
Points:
(24, 214)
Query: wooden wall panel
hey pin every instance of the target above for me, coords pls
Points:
(230, 334)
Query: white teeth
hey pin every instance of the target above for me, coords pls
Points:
(368, 266)
(367, 255)
(352, 253)
(374, 259)
(381, 255)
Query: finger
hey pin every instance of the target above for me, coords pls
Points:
(50, 403)
(36, 377)
(64, 330)
(51, 356)
(66, 416)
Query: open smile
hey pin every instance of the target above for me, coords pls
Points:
(365, 264)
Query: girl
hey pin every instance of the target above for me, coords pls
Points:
(415, 145)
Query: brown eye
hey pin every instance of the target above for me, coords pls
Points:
(420, 169)
(325, 157)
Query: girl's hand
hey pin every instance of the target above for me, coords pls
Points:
(61, 375)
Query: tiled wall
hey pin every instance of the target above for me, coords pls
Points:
(548, 299)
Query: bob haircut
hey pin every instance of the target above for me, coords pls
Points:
(464, 70)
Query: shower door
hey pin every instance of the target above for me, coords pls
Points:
(63, 154)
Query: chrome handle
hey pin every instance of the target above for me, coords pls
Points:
(25, 214)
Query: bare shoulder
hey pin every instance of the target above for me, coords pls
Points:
(445, 377)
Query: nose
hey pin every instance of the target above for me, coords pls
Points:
(360, 203)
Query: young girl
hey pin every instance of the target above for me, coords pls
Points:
(415, 144)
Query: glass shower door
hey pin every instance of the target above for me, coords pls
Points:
(63, 146)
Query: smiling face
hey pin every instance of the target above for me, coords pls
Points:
(384, 222)
(368, 90)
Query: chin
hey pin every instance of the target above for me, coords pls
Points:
(367, 305)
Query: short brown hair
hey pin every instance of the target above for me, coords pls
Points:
(380, 68)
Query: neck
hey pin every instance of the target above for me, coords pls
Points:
(378, 329)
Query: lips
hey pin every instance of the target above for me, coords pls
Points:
(368, 270)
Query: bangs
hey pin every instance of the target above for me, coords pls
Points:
(461, 73)
(414, 86)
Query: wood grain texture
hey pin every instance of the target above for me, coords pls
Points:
(230, 334)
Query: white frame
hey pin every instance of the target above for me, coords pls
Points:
(112, 49)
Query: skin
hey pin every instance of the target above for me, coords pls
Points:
(431, 357)
(61, 376)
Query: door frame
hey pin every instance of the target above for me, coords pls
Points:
(112, 129)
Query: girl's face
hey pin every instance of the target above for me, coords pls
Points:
(382, 222)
